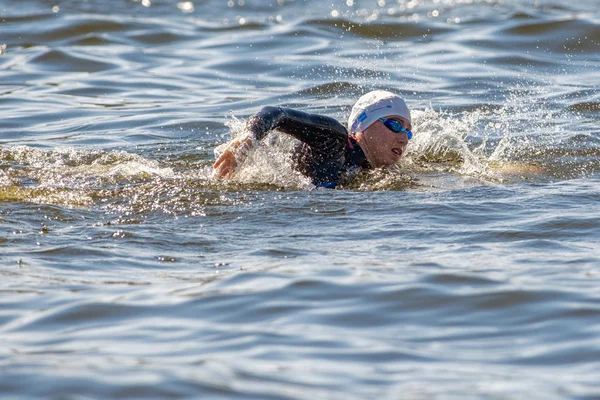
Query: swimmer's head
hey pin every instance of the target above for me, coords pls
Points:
(382, 124)
(377, 104)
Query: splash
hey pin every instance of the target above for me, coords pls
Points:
(122, 184)
(269, 163)
(522, 139)
(444, 142)
(68, 176)
(69, 167)
(440, 143)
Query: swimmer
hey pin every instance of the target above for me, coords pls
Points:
(379, 130)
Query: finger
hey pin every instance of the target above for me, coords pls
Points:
(218, 163)
(223, 173)
(222, 158)
(219, 173)
(225, 168)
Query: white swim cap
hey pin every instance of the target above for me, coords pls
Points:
(374, 105)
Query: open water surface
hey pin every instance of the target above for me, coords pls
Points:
(470, 270)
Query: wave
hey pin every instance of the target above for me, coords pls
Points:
(529, 136)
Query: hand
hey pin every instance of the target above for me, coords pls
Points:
(237, 150)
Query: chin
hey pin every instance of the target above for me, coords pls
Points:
(387, 163)
(395, 159)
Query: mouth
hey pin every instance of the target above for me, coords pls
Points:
(397, 151)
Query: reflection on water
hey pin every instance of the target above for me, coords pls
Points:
(468, 271)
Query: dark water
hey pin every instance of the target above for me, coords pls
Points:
(471, 270)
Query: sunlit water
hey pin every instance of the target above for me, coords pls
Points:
(470, 270)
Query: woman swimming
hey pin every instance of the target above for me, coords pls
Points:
(380, 128)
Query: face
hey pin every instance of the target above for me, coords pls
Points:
(382, 145)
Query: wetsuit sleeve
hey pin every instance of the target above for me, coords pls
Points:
(323, 134)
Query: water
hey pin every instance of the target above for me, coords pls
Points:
(468, 271)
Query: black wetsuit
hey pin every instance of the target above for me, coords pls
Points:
(327, 150)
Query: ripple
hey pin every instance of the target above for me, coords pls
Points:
(563, 36)
(380, 30)
(455, 279)
(93, 40)
(58, 60)
(470, 270)
(8, 19)
(160, 38)
(331, 88)
(588, 106)
(234, 27)
(77, 28)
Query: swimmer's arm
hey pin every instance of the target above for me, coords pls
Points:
(321, 133)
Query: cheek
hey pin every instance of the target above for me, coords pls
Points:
(391, 141)
(386, 144)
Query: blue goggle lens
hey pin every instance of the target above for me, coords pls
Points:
(396, 126)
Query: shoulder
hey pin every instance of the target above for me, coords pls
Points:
(315, 120)
(300, 115)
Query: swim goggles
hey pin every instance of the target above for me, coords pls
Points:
(396, 126)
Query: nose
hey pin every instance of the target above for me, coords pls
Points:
(403, 147)
(404, 139)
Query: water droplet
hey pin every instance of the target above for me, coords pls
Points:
(186, 6)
